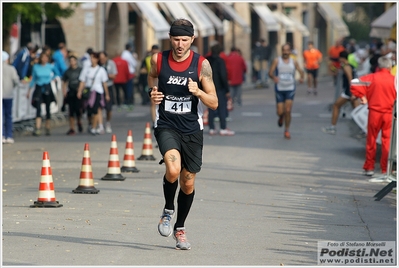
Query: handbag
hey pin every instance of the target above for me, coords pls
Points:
(87, 90)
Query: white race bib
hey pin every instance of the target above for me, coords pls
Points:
(178, 105)
(286, 77)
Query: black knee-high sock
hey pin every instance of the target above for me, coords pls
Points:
(169, 192)
(184, 203)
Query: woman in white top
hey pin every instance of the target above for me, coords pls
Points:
(95, 78)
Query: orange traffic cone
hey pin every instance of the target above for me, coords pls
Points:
(114, 169)
(46, 197)
(129, 165)
(146, 153)
(205, 117)
(86, 184)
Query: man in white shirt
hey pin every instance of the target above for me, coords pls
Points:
(132, 62)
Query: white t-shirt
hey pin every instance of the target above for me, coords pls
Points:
(88, 74)
(128, 56)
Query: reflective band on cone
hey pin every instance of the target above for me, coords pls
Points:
(114, 170)
(129, 163)
(86, 183)
(46, 188)
(147, 153)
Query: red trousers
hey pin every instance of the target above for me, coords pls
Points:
(378, 121)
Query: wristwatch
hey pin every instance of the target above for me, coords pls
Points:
(149, 92)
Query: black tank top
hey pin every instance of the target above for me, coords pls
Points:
(345, 82)
(180, 109)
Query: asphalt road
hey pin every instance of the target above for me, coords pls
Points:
(260, 199)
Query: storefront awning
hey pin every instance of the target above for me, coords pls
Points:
(151, 14)
(266, 15)
(286, 22)
(200, 19)
(230, 11)
(381, 27)
(217, 23)
(330, 15)
(300, 26)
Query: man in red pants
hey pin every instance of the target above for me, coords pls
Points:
(378, 89)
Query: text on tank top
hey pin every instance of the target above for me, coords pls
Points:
(179, 109)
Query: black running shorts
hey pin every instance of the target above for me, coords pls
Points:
(190, 146)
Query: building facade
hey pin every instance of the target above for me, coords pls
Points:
(109, 26)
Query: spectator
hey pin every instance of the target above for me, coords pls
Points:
(70, 91)
(379, 90)
(127, 55)
(42, 75)
(219, 75)
(261, 57)
(121, 78)
(110, 66)
(9, 82)
(348, 74)
(94, 78)
(23, 59)
(59, 58)
(334, 63)
(235, 71)
(313, 58)
(85, 60)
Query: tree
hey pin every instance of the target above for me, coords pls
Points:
(31, 12)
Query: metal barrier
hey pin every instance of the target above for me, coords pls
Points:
(24, 114)
(391, 173)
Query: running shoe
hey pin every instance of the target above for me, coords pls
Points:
(48, 132)
(36, 132)
(93, 132)
(287, 135)
(71, 132)
(10, 140)
(108, 128)
(212, 132)
(368, 172)
(80, 128)
(280, 120)
(164, 226)
(226, 132)
(181, 239)
(329, 130)
(4, 139)
(100, 130)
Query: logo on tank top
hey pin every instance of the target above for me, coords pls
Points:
(177, 80)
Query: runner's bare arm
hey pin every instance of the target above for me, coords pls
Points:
(152, 79)
(272, 69)
(208, 93)
(299, 69)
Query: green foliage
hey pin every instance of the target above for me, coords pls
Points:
(32, 12)
(358, 30)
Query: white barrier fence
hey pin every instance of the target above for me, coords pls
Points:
(22, 108)
(360, 116)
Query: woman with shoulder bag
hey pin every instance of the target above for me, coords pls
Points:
(94, 78)
(42, 75)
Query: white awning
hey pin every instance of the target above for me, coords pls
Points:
(217, 23)
(300, 26)
(235, 16)
(330, 15)
(205, 27)
(381, 27)
(177, 11)
(266, 16)
(286, 22)
(151, 14)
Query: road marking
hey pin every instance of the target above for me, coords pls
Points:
(136, 114)
(252, 114)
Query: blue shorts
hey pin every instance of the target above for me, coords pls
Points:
(282, 96)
